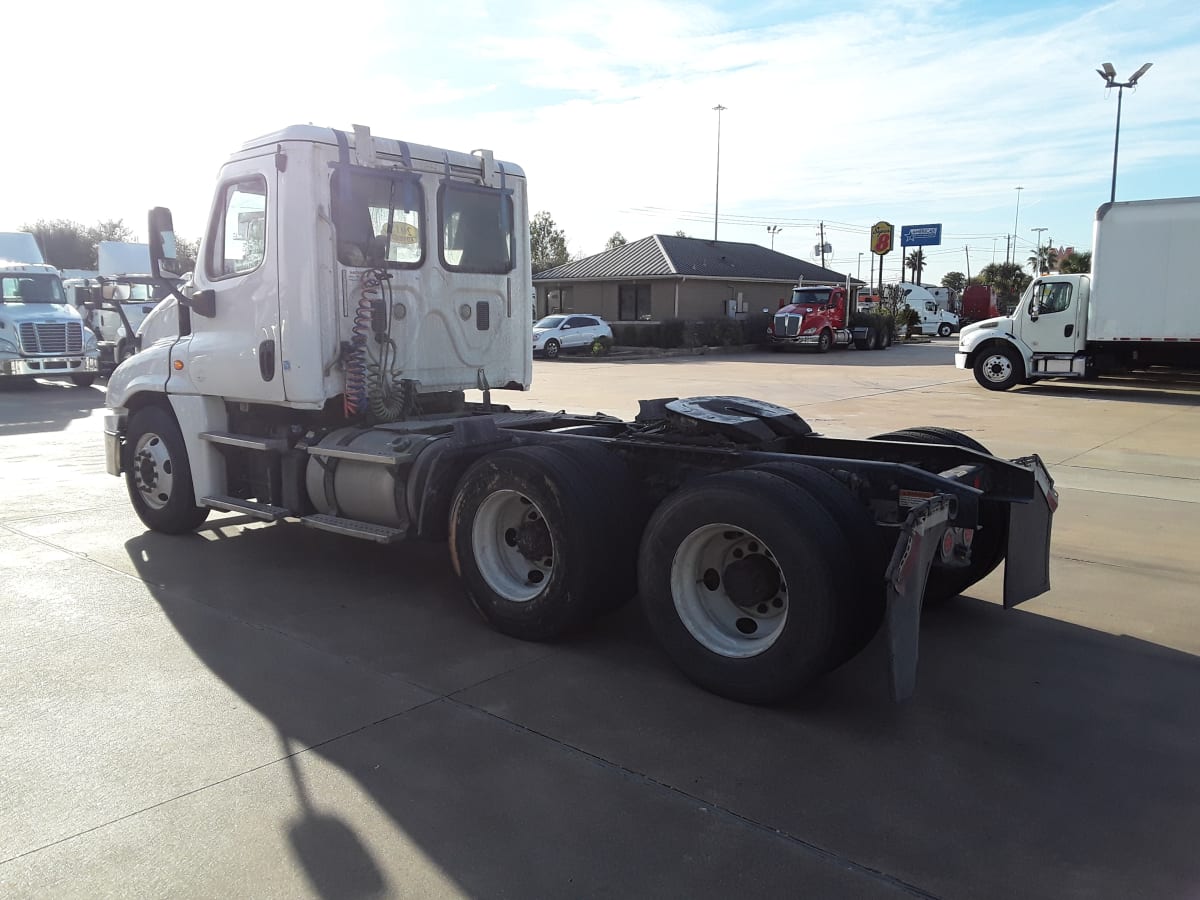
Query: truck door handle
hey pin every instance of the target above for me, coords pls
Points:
(1069, 330)
(266, 360)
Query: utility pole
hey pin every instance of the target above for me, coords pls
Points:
(967, 250)
(718, 109)
(1037, 256)
(1016, 217)
(1007, 247)
(822, 245)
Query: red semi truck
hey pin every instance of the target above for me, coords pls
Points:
(817, 317)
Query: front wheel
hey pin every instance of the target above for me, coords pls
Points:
(551, 349)
(998, 368)
(157, 474)
(944, 330)
(825, 341)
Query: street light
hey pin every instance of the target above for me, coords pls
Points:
(771, 230)
(718, 109)
(1037, 256)
(1015, 217)
(1109, 74)
(859, 276)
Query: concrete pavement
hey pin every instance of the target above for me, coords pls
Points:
(268, 711)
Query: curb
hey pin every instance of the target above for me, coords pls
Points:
(622, 354)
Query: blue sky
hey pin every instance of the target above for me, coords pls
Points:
(844, 113)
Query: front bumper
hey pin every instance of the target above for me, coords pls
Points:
(960, 361)
(112, 444)
(67, 365)
(794, 339)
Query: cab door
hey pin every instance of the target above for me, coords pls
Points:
(236, 354)
(1051, 317)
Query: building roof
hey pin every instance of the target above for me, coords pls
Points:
(668, 256)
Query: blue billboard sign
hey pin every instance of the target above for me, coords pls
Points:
(920, 235)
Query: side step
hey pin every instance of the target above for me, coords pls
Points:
(264, 511)
(379, 533)
(246, 441)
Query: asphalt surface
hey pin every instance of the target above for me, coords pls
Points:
(269, 711)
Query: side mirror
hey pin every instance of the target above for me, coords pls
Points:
(163, 257)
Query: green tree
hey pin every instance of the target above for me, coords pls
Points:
(915, 262)
(1009, 280)
(617, 240)
(1043, 259)
(1076, 263)
(111, 230)
(186, 252)
(956, 281)
(681, 233)
(547, 243)
(65, 244)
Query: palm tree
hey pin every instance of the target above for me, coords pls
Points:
(916, 262)
(1045, 259)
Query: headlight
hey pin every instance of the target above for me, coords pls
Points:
(808, 331)
(7, 345)
(89, 338)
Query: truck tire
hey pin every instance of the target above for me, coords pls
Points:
(83, 380)
(529, 537)
(551, 349)
(864, 595)
(944, 330)
(998, 368)
(738, 577)
(825, 341)
(157, 474)
(990, 543)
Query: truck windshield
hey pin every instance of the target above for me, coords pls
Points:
(816, 298)
(477, 228)
(31, 287)
(132, 292)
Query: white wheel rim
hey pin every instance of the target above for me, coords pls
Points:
(153, 470)
(997, 367)
(513, 548)
(700, 573)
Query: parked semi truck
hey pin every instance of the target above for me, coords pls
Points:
(817, 317)
(978, 303)
(318, 373)
(1136, 310)
(41, 334)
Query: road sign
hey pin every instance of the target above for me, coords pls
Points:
(882, 234)
(920, 235)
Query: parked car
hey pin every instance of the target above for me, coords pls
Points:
(554, 334)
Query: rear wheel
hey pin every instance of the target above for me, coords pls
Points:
(158, 476)
(989, 542)
(529, 536)
(739, 580)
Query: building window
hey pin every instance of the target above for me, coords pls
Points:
(633, 302)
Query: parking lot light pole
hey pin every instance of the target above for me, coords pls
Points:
(1016, 216)
(774, 230)
(1109, 74)
(718, 109)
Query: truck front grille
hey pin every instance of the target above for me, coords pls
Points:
(787, 326)
(51, 338)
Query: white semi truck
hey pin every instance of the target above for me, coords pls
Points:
(1136, 310)
(351, 289)
(41, 334)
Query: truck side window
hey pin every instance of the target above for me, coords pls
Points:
(238, 236)
(379, 218)
(1052, 298)
(476, 232)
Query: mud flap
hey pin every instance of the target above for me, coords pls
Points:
(920, 539)
(1027, 563)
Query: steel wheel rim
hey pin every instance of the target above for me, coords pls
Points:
(997, 367)
(718, 622)
(153, 470)
(507, 528)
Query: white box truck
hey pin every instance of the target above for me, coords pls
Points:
(1137, 309)
(349, 290)
(41, 334)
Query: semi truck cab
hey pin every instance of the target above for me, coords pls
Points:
(41, 334)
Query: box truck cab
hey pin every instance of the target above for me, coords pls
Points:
(41, 334)
(931, 318)
(1136, 310)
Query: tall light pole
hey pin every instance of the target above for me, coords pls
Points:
(771, 230)
(1015, 218)
(859, 276)
(1109, 74)
(718, 109)
(1037, 256)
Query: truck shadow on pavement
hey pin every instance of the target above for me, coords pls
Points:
(1038, 757)
(31, 407)
(1170, 390)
